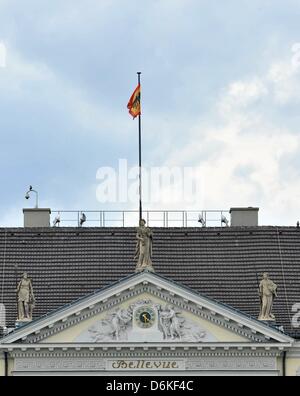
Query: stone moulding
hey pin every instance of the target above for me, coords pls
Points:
(97, 360)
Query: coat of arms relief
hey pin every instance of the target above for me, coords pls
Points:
(145, 321)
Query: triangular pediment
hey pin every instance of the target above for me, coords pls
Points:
(142, 308)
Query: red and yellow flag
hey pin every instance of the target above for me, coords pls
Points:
(134, 104)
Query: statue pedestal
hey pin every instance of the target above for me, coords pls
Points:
(267, 321)
(274, 324)
(146, 269)
(22, 322)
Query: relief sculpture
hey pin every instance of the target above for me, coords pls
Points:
(114, 327)
(175, 327)
(169, 322)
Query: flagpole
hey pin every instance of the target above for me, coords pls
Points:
(140, 156)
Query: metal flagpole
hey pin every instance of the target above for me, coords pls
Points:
(140, 153)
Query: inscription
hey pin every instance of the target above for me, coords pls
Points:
(145, 364)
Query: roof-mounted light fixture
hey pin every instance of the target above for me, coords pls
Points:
(225, 221)
(201, 220)
(82, 219)
(27, 196)
(56, 221)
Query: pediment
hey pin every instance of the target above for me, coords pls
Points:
(142, 308)
(145, 318)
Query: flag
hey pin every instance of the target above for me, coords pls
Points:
(134, 104)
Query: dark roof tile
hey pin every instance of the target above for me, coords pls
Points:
(222, 263)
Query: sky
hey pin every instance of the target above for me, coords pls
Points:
(220, 94)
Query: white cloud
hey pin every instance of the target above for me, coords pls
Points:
(285, 82)
(244, 93)
(245, 137)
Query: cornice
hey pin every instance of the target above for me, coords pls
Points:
(158, 349)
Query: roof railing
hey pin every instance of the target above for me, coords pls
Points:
(154, 218)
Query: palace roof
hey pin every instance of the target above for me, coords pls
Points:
(224, 264)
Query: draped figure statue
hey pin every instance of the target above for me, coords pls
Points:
(267, 291)
(143, 252)
(25, 299)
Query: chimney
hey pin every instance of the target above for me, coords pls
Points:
(244, 217)
(37, 217)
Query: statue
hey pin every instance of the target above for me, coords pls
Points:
(25, 298)
(174, 327)
(143, 252)
(113, 328)
(267, 291)
(120, 320)
(170, 323)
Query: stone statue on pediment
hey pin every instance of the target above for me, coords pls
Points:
(267, 292)
(143, 252)
(25, 298)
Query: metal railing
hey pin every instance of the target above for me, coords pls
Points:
(130, 218)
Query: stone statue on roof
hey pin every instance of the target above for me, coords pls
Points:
(143, 251)
(25, 298)
(267, 292)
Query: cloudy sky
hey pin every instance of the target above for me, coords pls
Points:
(221, 94)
